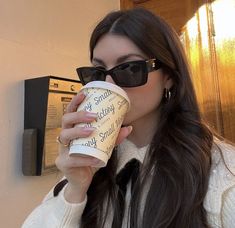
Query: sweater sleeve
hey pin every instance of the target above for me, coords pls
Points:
(55, 212)
(228, 208)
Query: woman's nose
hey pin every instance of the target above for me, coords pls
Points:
(109, 79)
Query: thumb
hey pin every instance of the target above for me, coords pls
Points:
(123, 133)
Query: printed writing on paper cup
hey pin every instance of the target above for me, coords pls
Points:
(121, 103)
(106, 111)
(91, 143)
(102, 97)
(106, 134)
(88, 107)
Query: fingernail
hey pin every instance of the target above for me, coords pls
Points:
(129, 129)
(95, 161)
(81, 94)
(88, 129)
(91, 115)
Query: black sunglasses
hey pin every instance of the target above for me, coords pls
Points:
(129, 74)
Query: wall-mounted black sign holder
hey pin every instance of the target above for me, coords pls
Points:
(46, 99)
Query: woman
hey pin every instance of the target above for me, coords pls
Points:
(167, 170)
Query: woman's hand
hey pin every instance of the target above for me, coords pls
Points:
(78, 169)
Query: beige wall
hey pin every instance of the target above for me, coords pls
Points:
(37, 38)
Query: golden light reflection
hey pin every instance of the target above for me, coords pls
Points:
(224, 19)
(203, 24)
(192, 28)
(209, 40)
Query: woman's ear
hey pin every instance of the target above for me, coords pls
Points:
(168, 81)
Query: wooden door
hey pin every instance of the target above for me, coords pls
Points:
(175, 13)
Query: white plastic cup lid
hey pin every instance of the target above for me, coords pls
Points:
(107, 85)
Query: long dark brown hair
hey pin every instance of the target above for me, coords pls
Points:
(179, 156)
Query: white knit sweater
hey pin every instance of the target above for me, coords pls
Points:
(55, 212)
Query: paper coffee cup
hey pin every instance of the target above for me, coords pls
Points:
(111, 104)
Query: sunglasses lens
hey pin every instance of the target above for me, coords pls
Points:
(88, 74)
(130, 74)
